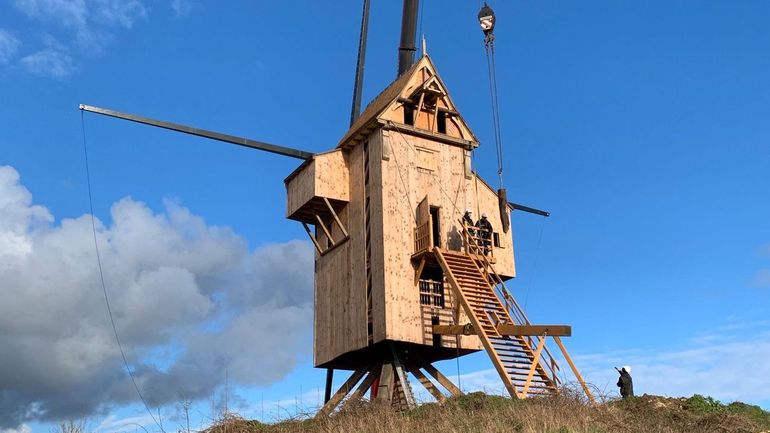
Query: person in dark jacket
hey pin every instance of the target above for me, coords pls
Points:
(485, 233)
(625, 383)
(468, 221)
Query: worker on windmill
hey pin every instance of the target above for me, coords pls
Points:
(468, 222)
(485, 233)
(625, 383)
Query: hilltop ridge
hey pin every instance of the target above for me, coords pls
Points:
(566, 413)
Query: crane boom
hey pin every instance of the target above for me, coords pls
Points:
(521, 207)
(246, 142)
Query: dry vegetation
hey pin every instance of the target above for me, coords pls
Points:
(478, 412)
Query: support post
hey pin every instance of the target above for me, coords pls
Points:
(329, 406)
(336, 217)
(386, 385)
(329, 379)
(440, 378)
(326, 231)
(312, 238)
(402, 378)
(426, 383)
(535, 362)
(574, 370)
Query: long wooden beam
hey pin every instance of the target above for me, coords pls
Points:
(425, 382)
(374, 373)
(329, 406)
(504, 329)
(532, 369)
(336, 217)
(440, 378)
(574, 369)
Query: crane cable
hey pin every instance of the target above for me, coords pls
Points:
(489, 50)
(101, 277)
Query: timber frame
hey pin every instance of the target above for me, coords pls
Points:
(388, 383)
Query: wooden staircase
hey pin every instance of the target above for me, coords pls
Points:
(511, 355)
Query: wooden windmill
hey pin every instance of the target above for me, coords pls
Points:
(400, 281)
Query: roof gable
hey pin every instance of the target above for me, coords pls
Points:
(416, 101)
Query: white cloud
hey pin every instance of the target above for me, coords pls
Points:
(81, 13)
(123, 13)
(182, 8)
(85, 26)
(190, 302)
(71, 13)
(50, 62)
(9, 44)
(23, 428)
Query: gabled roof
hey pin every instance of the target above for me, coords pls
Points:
(401, 88)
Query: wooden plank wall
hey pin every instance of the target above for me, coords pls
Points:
(340, 294)
(327, 175)
(332, 179)
(379, 231)
(407, 178)
(300, 189)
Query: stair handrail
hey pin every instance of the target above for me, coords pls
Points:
(511, 304)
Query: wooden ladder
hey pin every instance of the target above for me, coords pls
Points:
(512, 356)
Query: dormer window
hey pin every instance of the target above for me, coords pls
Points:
(441, 121)
(409, 114)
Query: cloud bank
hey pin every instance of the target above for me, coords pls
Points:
(68, 29)
(9, 44)
(726, 363)
(190, 302)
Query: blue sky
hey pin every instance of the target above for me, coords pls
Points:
(642, 127)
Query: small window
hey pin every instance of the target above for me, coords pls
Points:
(408, 114)
(496, 239)
(441, 121)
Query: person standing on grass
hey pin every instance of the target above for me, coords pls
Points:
(625, 383)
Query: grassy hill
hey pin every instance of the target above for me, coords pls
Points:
(478, 412)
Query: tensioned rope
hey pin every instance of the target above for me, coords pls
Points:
(491, 70)
(101, 275)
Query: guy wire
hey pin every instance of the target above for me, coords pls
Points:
(101, 276)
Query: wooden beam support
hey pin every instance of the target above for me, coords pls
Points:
(329, 380)
(329, 406)
(466, 329)
(440, 378)
(312, 238)
(336, 218)
(532, 369)
(366, 384)
(535, 330)
(326, 231)
(419, 271)
(387, 383)
(398, 366)
(435, 392)
(574, 369)
(517, 330)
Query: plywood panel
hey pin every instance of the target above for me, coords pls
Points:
(402, 309)
(340, 297)
(300, 188)
(332, 179)
(325, 176)
(357, 244)
(377, 234)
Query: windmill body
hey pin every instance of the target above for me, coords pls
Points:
(402, 166)
(400, 280)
